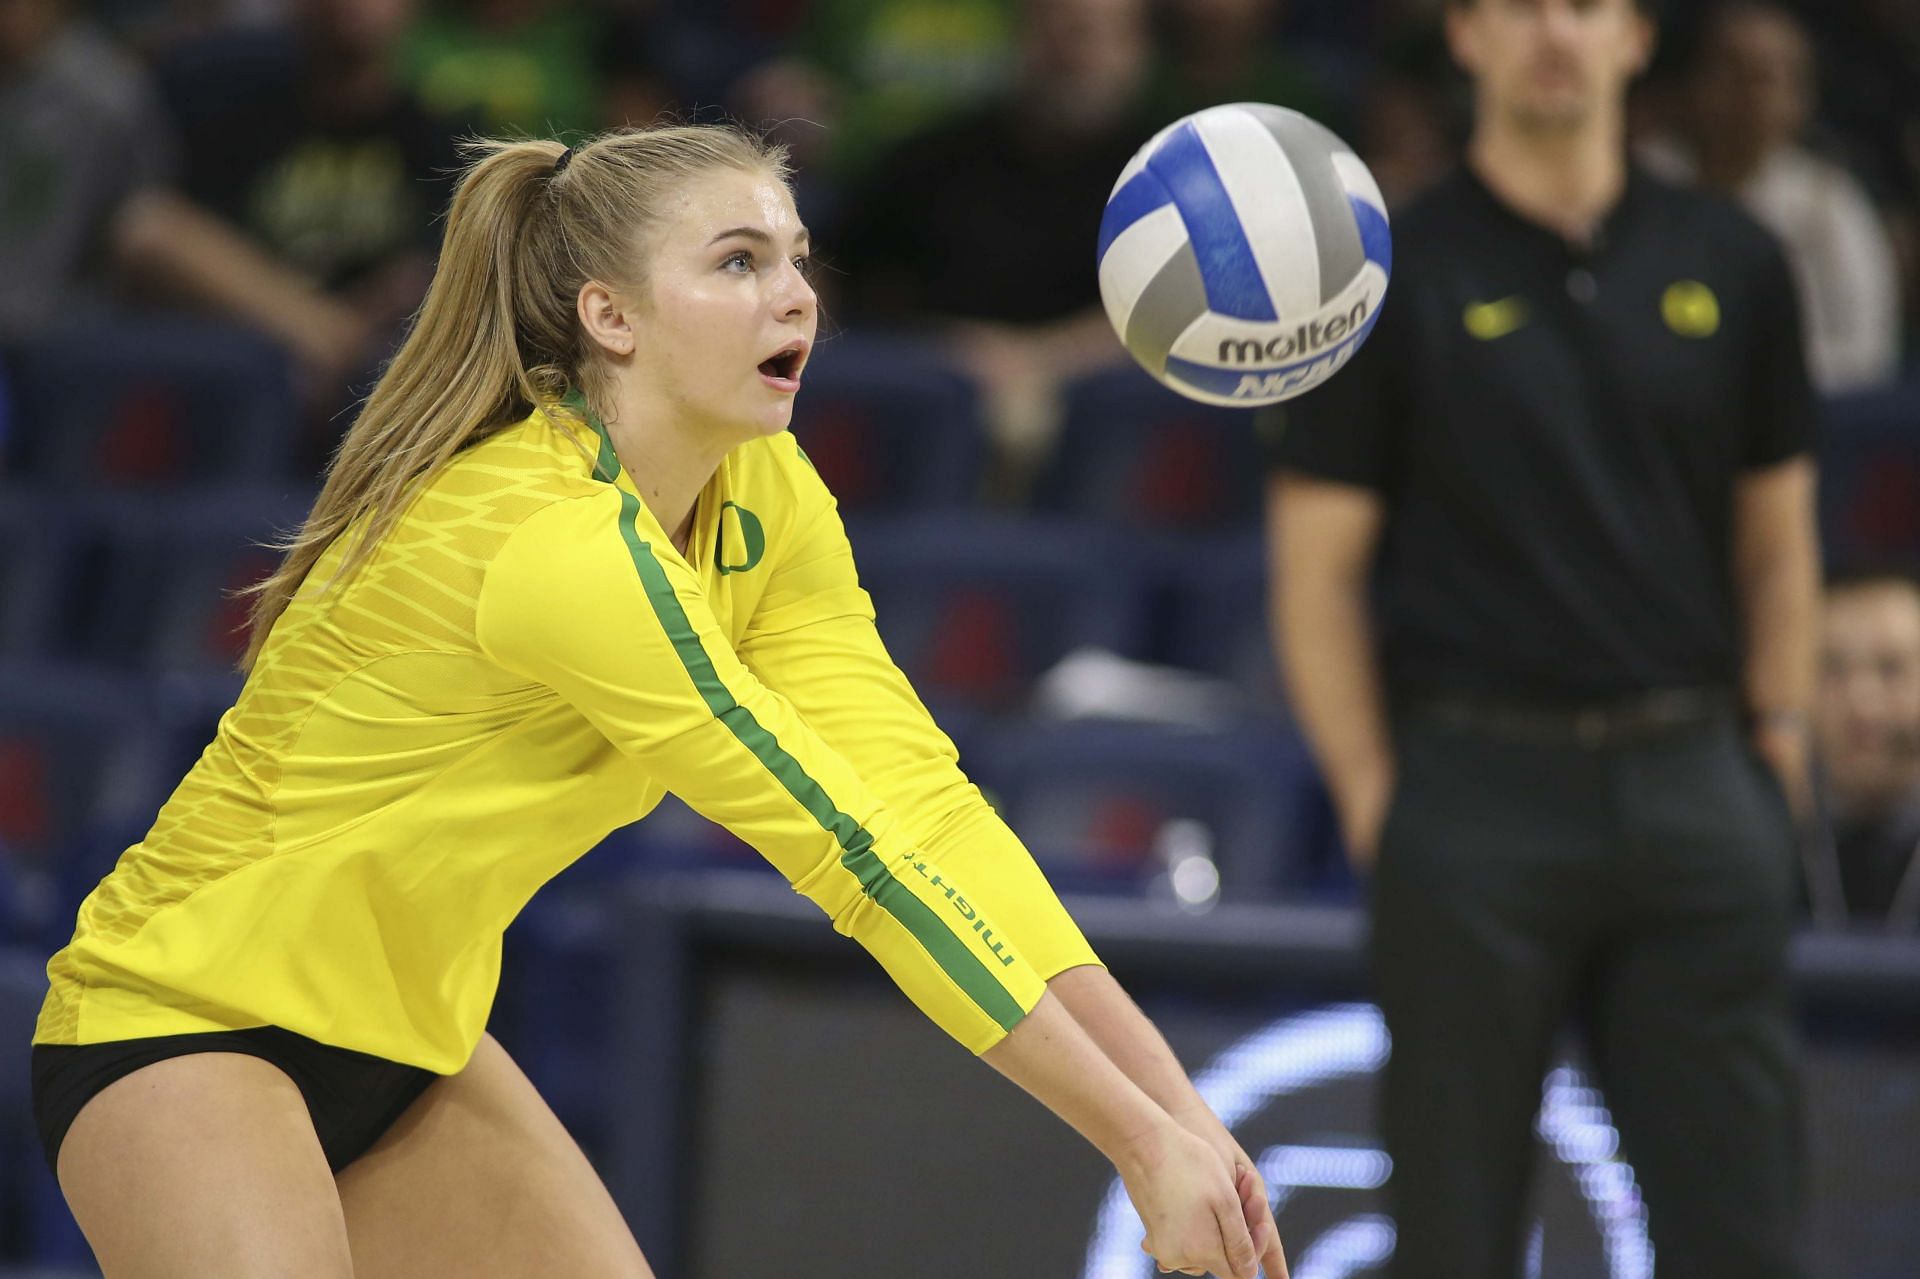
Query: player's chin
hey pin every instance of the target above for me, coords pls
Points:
(771, 419)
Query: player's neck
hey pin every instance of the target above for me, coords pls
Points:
(1566, 181)
(669, 467)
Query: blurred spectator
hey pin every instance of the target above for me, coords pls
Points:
(633, 65)
(869, 72)
(1219, 51)
(533, 66)
(303, 137)
(986, 225)
(1404, 133)
(1872, 99)
(80, 133)
(1410, 120)
(1867, 733)
(87, 211)
(1744, 112)
(147, 28)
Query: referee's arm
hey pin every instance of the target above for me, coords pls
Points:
(1321, 536)
(1776, 551)
(1332, 455)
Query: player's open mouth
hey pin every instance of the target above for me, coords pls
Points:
(781, 370)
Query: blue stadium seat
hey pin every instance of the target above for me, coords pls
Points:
(187, 711)
(75, 753)
(34, 543)
(78, 780)
(1093, 798)
(671, 837)
(155, 575)
(1132, 451)
(9, 415)
(975, 607)
(1870, 475)
(890, 425)
(1217, 606)
(557, 977)
(152, 403)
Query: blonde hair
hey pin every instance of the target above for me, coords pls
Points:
(498, 332)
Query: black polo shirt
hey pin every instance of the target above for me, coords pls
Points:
(1557, 433)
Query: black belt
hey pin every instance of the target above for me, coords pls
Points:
(1640, 717)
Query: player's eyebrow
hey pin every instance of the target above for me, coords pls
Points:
(801, 237)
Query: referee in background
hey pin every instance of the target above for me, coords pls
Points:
(1546, 581)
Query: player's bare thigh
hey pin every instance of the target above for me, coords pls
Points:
(204, 1167)
(479, 1180)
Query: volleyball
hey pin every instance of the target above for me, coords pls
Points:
(1244, 254)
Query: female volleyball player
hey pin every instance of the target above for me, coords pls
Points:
(566, 560)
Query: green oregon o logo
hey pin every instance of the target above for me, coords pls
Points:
(751, 543)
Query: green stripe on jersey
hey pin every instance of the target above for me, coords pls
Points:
(606, 464)
(960, 964)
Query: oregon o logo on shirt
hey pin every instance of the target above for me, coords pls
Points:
(1491, 321)
(742, 541)
(1690, 309)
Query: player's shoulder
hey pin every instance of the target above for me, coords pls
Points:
(538, 455)
(501, 481)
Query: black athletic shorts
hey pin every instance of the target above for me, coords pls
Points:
(353, 1097)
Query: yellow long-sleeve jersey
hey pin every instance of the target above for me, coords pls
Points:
(524, 664)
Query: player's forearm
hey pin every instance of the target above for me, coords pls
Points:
(1053, 1058)
(1129, 1040)
(1136, 1047)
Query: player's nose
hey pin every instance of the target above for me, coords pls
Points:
(794, 297)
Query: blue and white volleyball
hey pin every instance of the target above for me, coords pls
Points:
(1244, 255)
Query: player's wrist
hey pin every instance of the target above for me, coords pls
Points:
(1145, 1147)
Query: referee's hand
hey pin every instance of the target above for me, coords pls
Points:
(1362, 806)
(1782, 741)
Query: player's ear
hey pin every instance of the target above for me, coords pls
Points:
(606, 317)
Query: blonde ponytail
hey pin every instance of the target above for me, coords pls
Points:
(498, 332)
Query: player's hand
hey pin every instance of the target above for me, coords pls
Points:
(1256, 1209)
(1256, 1204)
(1189, 1205)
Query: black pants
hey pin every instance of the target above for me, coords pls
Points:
(1645, 889)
